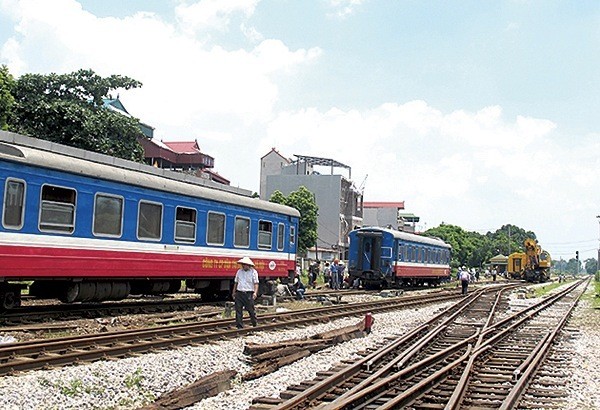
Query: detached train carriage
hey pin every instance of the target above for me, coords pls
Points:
(86, 230)
(380, 257)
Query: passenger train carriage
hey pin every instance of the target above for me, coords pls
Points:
(380, 257)
(89, 227)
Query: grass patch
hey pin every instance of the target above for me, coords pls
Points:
(596, 299)
(544, 290)
(134, 379)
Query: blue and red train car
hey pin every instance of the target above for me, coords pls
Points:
(384, 258)
(88, 227)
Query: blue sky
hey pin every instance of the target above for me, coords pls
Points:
(475, 113)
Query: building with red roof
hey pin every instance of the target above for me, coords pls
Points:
(184, 156)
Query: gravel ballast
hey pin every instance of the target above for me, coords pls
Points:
(132, 382)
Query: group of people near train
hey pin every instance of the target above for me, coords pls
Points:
(334, 275)
(466, 276)
(245, 288)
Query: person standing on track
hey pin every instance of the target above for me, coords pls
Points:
(245, 290)
(464, 279)
(334, 269)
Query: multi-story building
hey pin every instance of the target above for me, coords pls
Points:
(339, 201)
(388, 214)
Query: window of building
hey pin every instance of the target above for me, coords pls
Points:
(241, 234)
(265, 234)
(108, 215)
(280, 236)
(14, 204)
(185, 225)
(57, 209)
(215, 229)
(150, 221)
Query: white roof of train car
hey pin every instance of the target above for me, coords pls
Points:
(104, 167)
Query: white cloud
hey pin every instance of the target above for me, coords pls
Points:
(212, 14)
(184, 80)
(344, 8)
(456, 167)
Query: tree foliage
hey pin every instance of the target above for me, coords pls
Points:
(7, 101)
(591, 266)
(304, 201)
(474, 249)
(68, 109)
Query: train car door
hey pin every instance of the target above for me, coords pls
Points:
(369, 251)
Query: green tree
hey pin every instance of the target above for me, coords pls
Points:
(464, 244)
(474, 249)
(591, 265)
(304, 201)
(573, 266)
(7, 101)
(278, 198)
(68, 109)
(500, 239)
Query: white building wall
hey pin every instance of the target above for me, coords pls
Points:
(270, 164)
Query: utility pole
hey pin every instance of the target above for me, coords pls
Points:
(508, 240)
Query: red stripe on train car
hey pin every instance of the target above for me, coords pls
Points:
(421, 271)
(18, 262)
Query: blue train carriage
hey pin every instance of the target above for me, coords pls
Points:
(384, 258)
(87, 227)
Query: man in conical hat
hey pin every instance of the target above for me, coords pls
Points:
(245, 290)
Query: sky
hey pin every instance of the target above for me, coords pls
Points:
(474, 113)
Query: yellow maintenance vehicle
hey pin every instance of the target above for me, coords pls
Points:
(533, 265)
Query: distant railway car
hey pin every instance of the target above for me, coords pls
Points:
(380, 257)
(533, 265)
(88, 227)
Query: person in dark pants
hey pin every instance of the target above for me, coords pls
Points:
(464, 279)
(245, 290)
(299, 288)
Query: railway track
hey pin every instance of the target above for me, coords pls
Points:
(476, 354)
(47, 313)
(28, 315)
(39, 354)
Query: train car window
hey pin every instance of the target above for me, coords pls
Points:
(280, 236)
(13, 211)
(265, 234)
(57, 212)
(215, 230)
(185, 225)
(108, 215)
(386, 252)
(292, 235)
(150, 221)
(241, 232)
